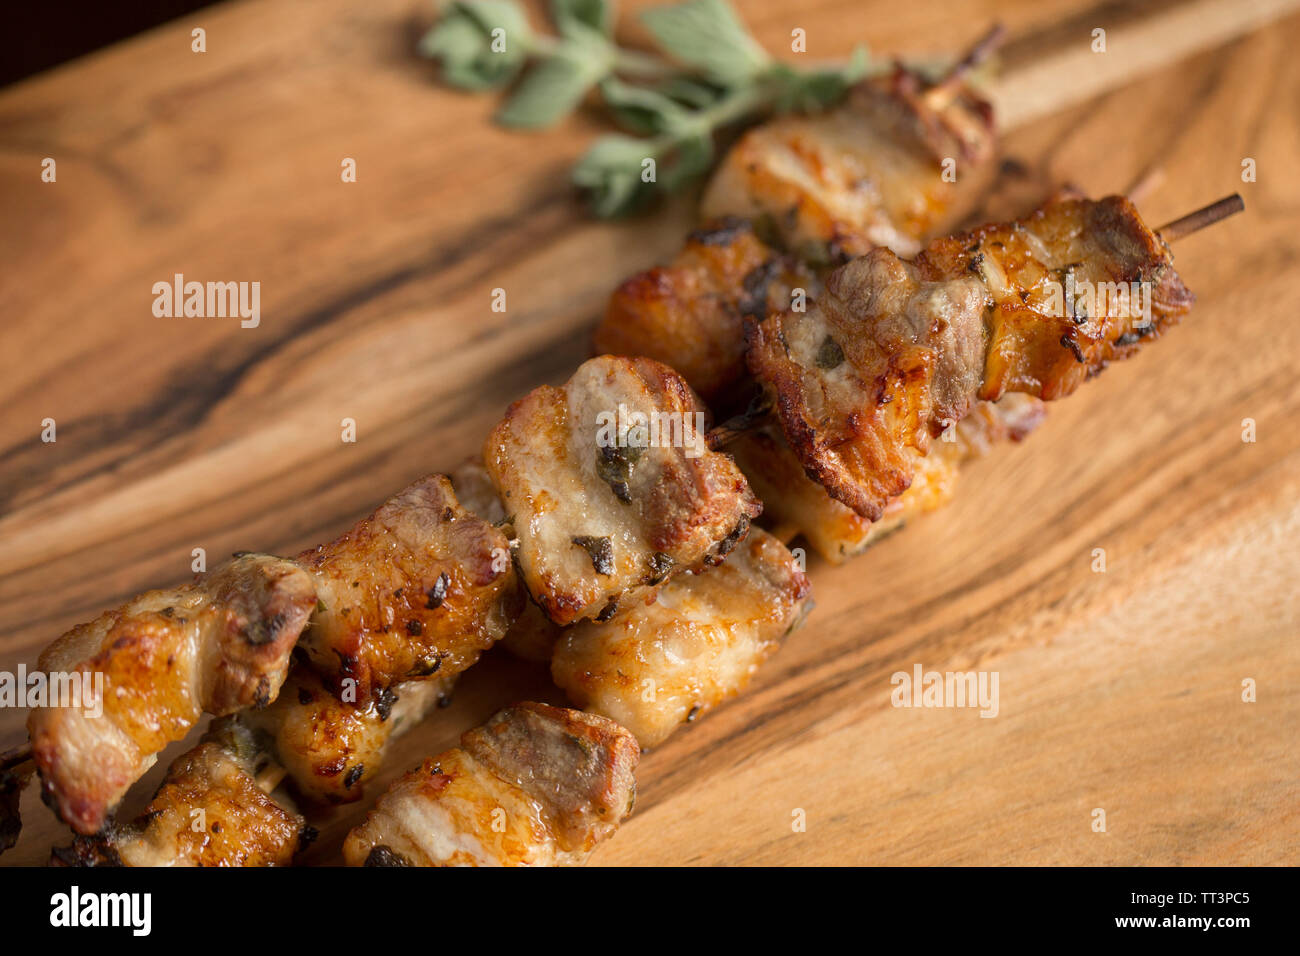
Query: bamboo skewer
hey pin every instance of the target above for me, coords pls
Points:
(984, 47)
(16, 755)
(1200, 218)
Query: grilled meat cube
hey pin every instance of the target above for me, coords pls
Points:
(331, 749)
(532, 636)
(209, 811)
(660, 664)
(691, 313)
(869, 173)
(218, 645)
(534, 786)
(603, 514)
(836, 531)
(421, 587)
(474, 488)
(895, 352)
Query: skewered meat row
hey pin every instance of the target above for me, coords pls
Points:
(228, 783)
(218, 645)
(213, 809)
(421, 587)
(534, 786)
(815, 227)
(822, 189)
(894, 352)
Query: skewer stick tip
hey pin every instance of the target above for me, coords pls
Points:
(15, 756)
(1199, 219)
(984, 47)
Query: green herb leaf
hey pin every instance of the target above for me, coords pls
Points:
(707, 35)
(552, 90)
(610, 171)
(722, 77)
(691, 92)
(641, 109)
(472, 58)
(598, 15)
(817, 90)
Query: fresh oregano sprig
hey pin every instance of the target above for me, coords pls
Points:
(709, 74)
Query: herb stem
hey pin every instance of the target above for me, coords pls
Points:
(632, 63)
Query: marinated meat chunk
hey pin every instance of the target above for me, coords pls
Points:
(534, 786)
(603, 513)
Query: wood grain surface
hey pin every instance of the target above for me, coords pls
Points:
(1119, 690)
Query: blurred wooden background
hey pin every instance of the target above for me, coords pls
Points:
(1119, 691)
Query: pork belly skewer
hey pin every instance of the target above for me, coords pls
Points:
(339, 633)
(216, 807)
(218, 645)
(893, 353)
(534, 786)
(671, 658)
(818, 190)
(851, 176)
(419, 588)
(328, 749)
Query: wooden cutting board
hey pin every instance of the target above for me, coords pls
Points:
(1119, 691)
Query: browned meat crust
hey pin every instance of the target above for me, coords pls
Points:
(532, 636)
(869, 173)
(660, 664)
(895, 352)
(421, 587)
(584, 499)
(209, 811)
(534, 786)
(797, 504)
(331, 749)
(218, 645)
(691, 313)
